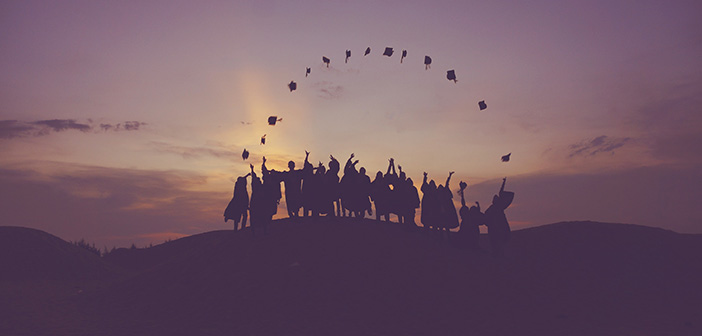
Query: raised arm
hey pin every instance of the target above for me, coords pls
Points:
(264, 170)
(307, 158)
(349, 163)
(503, 185)
(463, 186)
(424, 182)
(448, 179)
(252, 173)
(391, 165)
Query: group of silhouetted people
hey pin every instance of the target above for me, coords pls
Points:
(319, 191)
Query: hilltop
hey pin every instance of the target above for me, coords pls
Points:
(361, 277)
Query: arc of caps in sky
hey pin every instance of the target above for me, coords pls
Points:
(292, 86)
(326, 60)
(404, 54)
(348, 54)
(388, 51)
(367, 51)
(451, 75)
(482, 105)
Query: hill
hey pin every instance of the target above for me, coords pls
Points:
(361, 277)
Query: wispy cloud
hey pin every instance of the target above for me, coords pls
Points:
(328, 90)
(10, 129)
(600, 144)
(194, 152)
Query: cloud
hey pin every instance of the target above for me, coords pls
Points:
(110, 206)
(600, 144)
(194, 152)
(10, 129)
(328, 90)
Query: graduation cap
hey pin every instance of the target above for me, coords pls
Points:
(367, 52)
(263, 140)
(404, 54)
(245, 154)
(427, 62)
(325, 60)
(482, 105)
(273, 119)
(505, 158)
(307, 72)
(451, 75)
(388, 51)
(348, 54)
(292, 86)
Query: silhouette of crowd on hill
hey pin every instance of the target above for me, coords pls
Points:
(319, 191)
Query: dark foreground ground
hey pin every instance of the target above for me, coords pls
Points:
(357, 277)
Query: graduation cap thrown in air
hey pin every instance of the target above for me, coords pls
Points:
(307, 72)
(348, 54)
(273, 119)
(325, 60)
(404, 54)
(505, 158)
(263, 140)
(482, 105)
(292, 86)
(427, 62)
(245, 154)
(388, 51)
(367, 52)
(451, 75)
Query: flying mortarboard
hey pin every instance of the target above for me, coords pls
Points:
(307, 72)
(325, 60)
(273, 119)
(388, 51)
(427, 62)
(292, 86)
(482, 105)
(404, 54)
(367, 52)
(263, 140)
(451, 75)
(245, 154)
(505, 158)
(348, 54)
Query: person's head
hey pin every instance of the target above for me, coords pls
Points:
(241, 179)
(410, 182)
(379, 175)
(432, 184)
(321, 170)
(291, 165)
(495, 199)
(403, 176)
(362, 171)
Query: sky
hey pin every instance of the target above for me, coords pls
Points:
(124, 122)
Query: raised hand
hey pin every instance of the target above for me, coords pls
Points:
(425, 174)
(307, 153)
(353, 155)
(264, 159)
(451, 173)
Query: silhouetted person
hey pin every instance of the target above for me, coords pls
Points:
(331, 183)
(409, 201)
(448, 218)
(307, 186)
(496, 220)
(430, 206)
(293, 188)
(471, 219)
(258, 204)
(238, 207)
(364, 190)
(349, 188)
(379, 194)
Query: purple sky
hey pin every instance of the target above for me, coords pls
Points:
(124, 121)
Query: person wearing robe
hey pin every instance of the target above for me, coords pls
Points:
(307, 186)
(448, 217)
(379, 195)
(292, 179)
(258, 204)
(331, 182)
(471, 219)
(238, 207)
(430, 209)
(496, 220)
